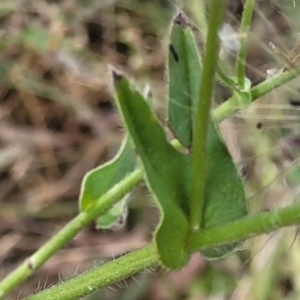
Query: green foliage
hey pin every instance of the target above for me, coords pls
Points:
(115, 217)
(168, 172)
(100, 180)
(224, 193)
(225, 199)
(184, 71)
(165, 168)
(244, 95)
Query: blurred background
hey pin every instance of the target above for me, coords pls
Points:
(58, 121)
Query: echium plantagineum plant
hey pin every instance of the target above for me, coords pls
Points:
(193, 179)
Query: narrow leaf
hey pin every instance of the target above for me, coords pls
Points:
(101, 179)
(225, 199)
(184, 73)
(115, 218)
(165, 170)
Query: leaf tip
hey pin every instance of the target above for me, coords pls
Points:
(116, 75)
(181, 19)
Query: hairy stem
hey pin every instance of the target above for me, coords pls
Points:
(230, 106)
(68, 232)
(146, 257)
(203, 113)
(245, 228)
(104, 275)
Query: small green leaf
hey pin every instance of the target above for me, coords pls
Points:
(244, 95)
(225, 199)
(115, 218)
(166, 171)
(184, 71)
(101, 179)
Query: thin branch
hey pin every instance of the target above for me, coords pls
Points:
(230, 106)
(68, 232)
(146, 257)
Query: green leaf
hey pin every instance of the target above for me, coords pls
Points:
(166, 172)
(115, 218)
(225, 199)
(184, 71)
(244, 95)
(168, 175)
(224, 192)
(101, 179)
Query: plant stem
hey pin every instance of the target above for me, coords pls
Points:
(230, 106)
(68, 232)
(245, 228)
(146, 257)
(111, 272)
(241, 56)
(202, 116)
(225, 79)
